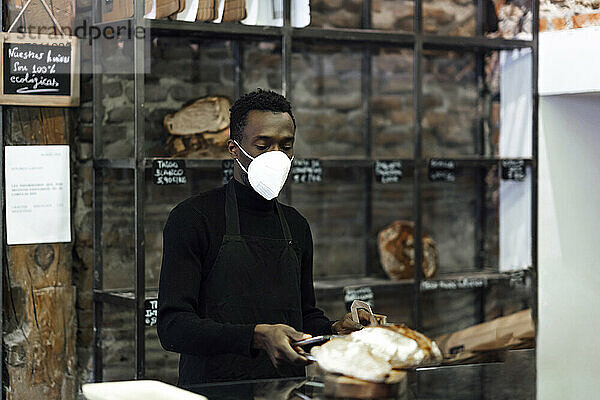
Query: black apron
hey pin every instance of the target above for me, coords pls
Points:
(254, 280)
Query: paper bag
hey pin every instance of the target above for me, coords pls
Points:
(512, 331)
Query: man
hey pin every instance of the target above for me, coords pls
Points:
(236, 281)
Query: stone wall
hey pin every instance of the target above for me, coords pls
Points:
(440, 17)
(568, 14)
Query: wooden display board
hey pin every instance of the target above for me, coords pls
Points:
(39, 70)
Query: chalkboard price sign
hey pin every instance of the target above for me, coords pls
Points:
(150, 312)
(358, 293)
(168, 172)
(307, 171)
(513, 170)
(227, 167)
(441, 170)
(40, 70)
(388, 171)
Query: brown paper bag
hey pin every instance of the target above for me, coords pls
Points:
(234, 10)
(511, 331)
(165, 8)
(207, 10)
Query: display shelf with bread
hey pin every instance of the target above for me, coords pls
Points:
(336, 286)
(403, 126)
(209, 162)
(235, 30)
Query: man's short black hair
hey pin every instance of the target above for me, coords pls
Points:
(260, 100)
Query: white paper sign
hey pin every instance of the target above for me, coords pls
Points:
(38, 208)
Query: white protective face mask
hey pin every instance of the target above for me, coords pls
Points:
(268, 172)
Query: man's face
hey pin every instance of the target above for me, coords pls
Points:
(265, 131)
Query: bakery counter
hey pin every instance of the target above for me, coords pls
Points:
(512, 378)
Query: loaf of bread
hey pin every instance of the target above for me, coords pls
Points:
(208, 114)
(373, 352)
(396, 245)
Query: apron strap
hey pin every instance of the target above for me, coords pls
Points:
(284, 225)
(232, 219)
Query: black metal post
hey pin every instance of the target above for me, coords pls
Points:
(480, 171)
(286, 69)
(98, 306)
(97, 206)
(534, 168)
(139, 192)
(418, 116)
(286, 49)
(365, 86)
(2, 247)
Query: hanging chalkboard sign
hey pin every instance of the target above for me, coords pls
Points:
(513, 170)
(150, 312)
(441, 170)
(364, 293)
(307, 171)
(39, 70)
(388, 171)
(227, 167)
(169, 172)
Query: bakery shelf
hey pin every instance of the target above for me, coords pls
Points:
(457, 281)
(472, 280)
(123, 297)
(224, 30)
(474, 161)
(234, 30)
(365, 43)
(431, 42)
(354, 35)
(335, 285)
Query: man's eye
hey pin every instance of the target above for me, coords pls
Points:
(287, 147)
(260, 147)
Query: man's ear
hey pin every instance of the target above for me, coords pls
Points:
(232, 148)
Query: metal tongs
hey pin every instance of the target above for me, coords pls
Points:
(312, 341)
(374, 320)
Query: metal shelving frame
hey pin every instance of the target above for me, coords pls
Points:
(3, 233)
(365, 38)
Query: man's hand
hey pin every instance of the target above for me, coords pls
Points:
(347, 325)
(275, 340)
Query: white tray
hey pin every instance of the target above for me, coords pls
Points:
(137, 390)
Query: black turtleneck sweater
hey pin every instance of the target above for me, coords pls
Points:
(192, 237)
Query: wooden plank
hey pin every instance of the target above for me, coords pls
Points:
(39, 299)
(40, 347)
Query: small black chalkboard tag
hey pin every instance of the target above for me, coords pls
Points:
(441, 170)
(307, 171)
(169, 172)
(513, 170)
(150, 312)
(227, 168)
(39, 70)
(364, 293)
(388, 171)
